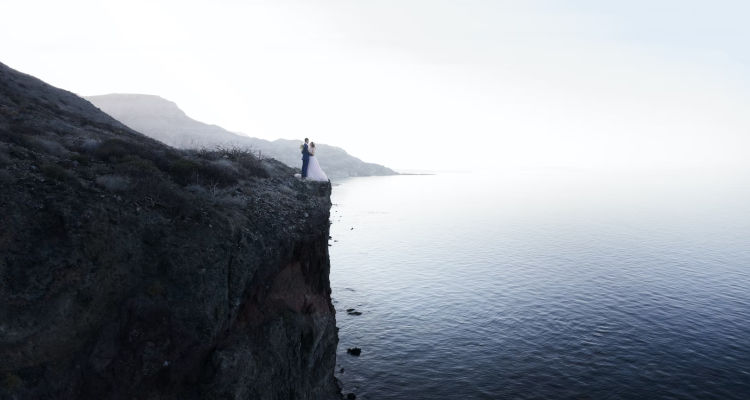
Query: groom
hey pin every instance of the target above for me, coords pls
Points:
(305, 158)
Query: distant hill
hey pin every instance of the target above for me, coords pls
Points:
(162, 120)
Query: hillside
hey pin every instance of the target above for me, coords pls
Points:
(164, 121)
(132, 270)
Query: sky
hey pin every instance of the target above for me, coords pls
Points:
(422, 84)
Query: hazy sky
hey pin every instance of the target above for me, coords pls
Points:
(431, 84)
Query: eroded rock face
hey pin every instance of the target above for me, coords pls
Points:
(131, 270)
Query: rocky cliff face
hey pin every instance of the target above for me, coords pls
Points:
(164, 121)
(131, 270)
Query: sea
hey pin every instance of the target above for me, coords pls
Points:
(543, 284)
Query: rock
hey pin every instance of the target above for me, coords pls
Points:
(355, 351)
(157, 292)
(351, 396)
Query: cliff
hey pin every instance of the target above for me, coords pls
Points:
(163, 120)
(132, 270)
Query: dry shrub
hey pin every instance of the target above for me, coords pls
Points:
(117, 149)
(137, 167)
(4, 157)
(113, 149)
(81, 159)
(216, 174)
(89, 145)
(249, 164)
(49, 146)
(225, 164)
(113, 183)
(11, 381)
(6, 178)
(56, 172)
(184, 171)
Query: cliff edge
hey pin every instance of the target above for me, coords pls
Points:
(132, 270)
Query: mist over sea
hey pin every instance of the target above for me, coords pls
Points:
(543, 284)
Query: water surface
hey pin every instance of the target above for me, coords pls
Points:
(543, 284)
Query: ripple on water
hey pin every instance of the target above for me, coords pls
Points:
(582, 298)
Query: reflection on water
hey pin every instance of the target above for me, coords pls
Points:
(536, 286)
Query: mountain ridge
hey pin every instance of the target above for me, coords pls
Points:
(163, 120)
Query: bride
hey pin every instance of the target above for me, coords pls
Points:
(314, 172)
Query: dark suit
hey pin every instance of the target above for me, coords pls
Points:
(305, 160)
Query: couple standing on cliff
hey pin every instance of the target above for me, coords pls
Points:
(310, 167)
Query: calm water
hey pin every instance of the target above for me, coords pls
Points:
(543, 285)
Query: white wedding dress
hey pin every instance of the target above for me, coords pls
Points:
(314, 172)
